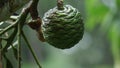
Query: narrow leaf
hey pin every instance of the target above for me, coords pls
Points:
(8, 63)
(10, 40)
(15, 51)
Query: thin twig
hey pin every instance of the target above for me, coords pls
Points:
(0, 58)
(7, 28)
(20, 26)
(0, 53)
(29, 46)
(19, 45)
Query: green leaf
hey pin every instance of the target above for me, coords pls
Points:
(114, 35)
(96, 12)
(118, 4)
(15, 51)
(107, 22)
(8, 63)
(10, 40)
(111, 4)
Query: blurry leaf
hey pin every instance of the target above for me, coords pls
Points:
(107, 22)
(95, 13)
(111, 4)
(118, 4)
(15, 51)
(114, 36)
(8, 63)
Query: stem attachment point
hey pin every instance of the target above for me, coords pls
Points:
(60, 4)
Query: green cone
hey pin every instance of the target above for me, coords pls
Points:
(63, 28)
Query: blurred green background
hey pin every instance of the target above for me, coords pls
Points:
(99, 48)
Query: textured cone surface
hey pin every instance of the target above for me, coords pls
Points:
(63, 28)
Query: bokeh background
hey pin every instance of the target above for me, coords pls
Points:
(99, 48)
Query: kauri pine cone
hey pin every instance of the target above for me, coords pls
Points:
(63, 28)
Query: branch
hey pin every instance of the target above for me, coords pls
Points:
(37, 21)
(33, 9)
